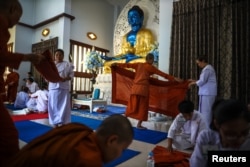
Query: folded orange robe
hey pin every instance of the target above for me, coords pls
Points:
(164, 96)
(162, 158)
(69, 145)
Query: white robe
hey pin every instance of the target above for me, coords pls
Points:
(33, 87)
(21, 99)
(207, 84)
(39, 101)
(184, 133)
(210, 140)
(59, 105)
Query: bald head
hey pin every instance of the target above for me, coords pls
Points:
(11, 10)
(116, 125)
(5, 4)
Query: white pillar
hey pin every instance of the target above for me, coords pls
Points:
(165, 23)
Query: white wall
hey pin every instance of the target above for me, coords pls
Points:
(90, 15)
(45, 9)
(28, 15)
(23, 42)
(165, 16)
(93, 16)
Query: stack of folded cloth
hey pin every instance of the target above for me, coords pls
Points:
(163, 158)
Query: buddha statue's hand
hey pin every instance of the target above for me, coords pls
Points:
(130, 57)
(104, 57)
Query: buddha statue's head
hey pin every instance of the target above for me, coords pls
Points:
(135, 18)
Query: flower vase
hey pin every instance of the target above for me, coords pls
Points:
(93, 79)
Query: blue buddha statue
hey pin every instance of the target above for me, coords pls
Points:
(136, 44)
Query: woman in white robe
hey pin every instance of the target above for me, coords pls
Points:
(39, 100)
(186, 126)
(59, 107)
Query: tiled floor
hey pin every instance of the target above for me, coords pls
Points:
(144, 148)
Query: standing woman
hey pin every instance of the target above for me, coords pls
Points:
(59, 107)
(207, 84)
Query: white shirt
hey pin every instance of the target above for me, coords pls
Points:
(65, 69)
(207, 82)
(210, 140)
(190, 128)
(41, 99)
(33, 87)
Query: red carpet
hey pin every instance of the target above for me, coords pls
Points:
(30, 116)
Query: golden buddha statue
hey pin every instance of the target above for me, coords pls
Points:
(136, 44)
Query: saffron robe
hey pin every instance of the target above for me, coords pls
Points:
(138, 103)
(12, 84)
(9, 144)
(73, 145)
(164, 96)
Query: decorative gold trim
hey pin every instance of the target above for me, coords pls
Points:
(45, 32)
(91, 35)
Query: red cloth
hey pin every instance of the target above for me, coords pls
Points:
(162, 158)
(164, 96)
(47, 68)
(30, 116)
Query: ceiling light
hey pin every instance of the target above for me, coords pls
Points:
(45, 32)
(91, 35)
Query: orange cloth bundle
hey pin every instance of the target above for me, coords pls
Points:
(164, 95)
(47, 68)
(50, 149)
(162, 158)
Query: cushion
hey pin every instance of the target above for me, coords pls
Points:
(96, 94)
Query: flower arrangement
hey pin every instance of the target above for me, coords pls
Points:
(155, 52)
(93, 61)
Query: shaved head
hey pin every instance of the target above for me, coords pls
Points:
(116, 125)
(5, 4)
(11, 10)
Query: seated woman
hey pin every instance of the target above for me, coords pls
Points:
(229, 131)
(39, 100)
(136, 44)
(186, 127)
(22, 98)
